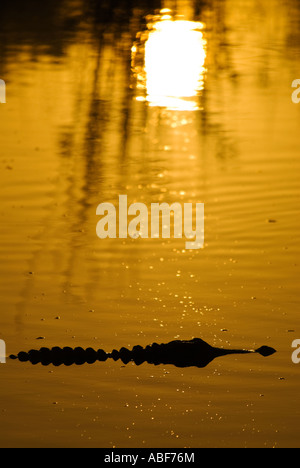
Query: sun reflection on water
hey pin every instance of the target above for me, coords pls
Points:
(169, 62)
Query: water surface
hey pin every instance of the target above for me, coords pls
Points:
(75, 132)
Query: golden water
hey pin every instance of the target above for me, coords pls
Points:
(75, 133)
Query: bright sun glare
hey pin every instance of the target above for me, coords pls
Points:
(174, 61)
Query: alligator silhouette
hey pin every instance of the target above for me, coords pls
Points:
(193, 353)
